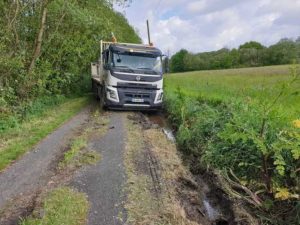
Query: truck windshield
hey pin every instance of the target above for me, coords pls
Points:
(138, 62)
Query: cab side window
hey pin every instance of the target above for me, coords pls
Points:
(105, 57)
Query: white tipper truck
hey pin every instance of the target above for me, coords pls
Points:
(128, 76)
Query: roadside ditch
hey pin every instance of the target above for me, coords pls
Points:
(202, 195)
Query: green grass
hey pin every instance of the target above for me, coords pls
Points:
(17, 141)
(256, 83)
(62, 206)
(78, 155)
(76, 146)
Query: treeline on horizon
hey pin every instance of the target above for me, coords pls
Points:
(250, 54)
(46, 47)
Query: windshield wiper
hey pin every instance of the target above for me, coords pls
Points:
(144, 68)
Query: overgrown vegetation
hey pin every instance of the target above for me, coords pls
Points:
(46, 47)
(250, 54)
(246, 126)
(62, 206)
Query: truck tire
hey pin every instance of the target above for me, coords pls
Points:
(95, 90)
(101, 95)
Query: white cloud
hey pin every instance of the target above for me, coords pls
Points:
(206, 25)
(196, 6)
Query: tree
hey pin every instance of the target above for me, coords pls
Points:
(177, 61)
(46, 46)
(252, 45)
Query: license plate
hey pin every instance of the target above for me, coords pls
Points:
(138, 100)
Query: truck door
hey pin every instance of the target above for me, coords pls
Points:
(105, 63)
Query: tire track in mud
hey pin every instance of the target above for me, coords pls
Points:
(204, 195)
(166, 189)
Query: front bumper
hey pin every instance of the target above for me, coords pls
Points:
(135, 99)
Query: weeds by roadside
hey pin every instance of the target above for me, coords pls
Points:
(62, 206)
(79, 153)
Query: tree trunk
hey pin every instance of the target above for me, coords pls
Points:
(39, 40)
(14, 22)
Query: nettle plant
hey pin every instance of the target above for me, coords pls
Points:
(260, 127)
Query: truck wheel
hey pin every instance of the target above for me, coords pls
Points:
(95, 90)
(98, 92)
(102, 99)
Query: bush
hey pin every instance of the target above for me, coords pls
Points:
(256, 143)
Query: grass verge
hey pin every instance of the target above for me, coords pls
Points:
(62, 206)
(17, 141)
(146, 204)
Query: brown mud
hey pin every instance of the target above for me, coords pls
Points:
(203, 200)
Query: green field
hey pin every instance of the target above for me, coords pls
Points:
(259, 83)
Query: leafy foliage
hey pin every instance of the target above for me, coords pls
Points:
(68, 43)
(247, 55)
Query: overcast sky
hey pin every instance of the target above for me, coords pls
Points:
(206, 25)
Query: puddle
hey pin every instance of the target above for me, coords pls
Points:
(169, 133)
(157, 118)
(212, 213)
(160, 120)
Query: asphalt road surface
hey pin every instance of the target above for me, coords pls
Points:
(103, 182)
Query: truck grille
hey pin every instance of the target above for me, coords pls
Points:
(136, 85)
(137, 95)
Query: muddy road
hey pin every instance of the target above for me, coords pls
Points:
(139, 178)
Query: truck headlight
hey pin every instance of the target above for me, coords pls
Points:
(159, 97)
(112, 95)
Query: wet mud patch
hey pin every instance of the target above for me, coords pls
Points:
(203, 201)
(139, 118)
(190, 198)
(20, 207)
(146, 162)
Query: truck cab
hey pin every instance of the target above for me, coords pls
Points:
(128, 76)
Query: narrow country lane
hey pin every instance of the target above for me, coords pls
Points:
(34, 169)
